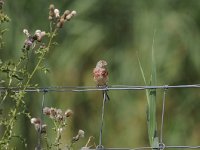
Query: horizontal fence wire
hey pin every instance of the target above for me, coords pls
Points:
(162, 146)
(93, 88)
(146, 148)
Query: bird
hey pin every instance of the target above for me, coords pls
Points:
(100, 75)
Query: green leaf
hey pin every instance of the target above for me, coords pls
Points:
(151, 110)
(143, 76)
(151, 100)
(141, 69)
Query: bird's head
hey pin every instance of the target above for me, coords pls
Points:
(101, 63)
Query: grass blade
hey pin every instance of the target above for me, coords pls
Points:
(151, 100)
(151, 110)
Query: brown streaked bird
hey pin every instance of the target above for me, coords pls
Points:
(100, 74)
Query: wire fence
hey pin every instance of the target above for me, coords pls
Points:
(93, 88)
(104, 89)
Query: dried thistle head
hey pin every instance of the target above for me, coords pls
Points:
(37, 123)
(61, 23)
(51, 7)
(68, 113)
(54, 16)
(57, 114)
(44, 128)
(30, 40)
(67, 12)
(70, 15)
(1, 3)
(25, 31)
(80, 134)
(39, 35)
(51, 11)
(56, 13)
(39, 127)
(46, 111)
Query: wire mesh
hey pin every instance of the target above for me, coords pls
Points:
(93, 88)
(100, 146)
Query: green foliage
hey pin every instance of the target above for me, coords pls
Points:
(151, 101)
(3, 19)
(115, 31)
(16, 76)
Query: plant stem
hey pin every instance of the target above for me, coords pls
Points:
(10, 125)
(41, 58)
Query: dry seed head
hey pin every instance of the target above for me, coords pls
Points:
(68, 113)
(51, 7)
(43, 33)
(73, 13)
(61, 23)
(67, 12)
(59, 117)
(26, 32)
(81, 133)
(59, 111)
(46, 111)
(35, 121)
(68, 17)
(57, 13)
(43, 129)
(28, 43)
(51, 11)
(1, 3)
(78, 136)
(51, 14)
(37, 32)
(52, 112)
(50, 17)
(39, 35)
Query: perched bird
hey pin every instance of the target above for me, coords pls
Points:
(100, 74)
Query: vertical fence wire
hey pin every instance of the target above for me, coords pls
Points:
(162, 146)
(41, 117)
(102, 120)
(162, 116)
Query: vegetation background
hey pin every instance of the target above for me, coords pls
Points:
(115, 31)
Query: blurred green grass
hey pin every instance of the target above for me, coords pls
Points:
(116, 31)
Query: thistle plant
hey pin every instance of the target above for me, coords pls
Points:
(60, 122)
(16, 76)
(3, 19)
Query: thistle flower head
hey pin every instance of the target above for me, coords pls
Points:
(39, 35)
(73, 13)
(25, 31)
(51, 7)
(68, 113)
(1, 3)
(46, 111)
(56, 13)
(80, 134)
(37, 124)
(57, 114)
(35, 121)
